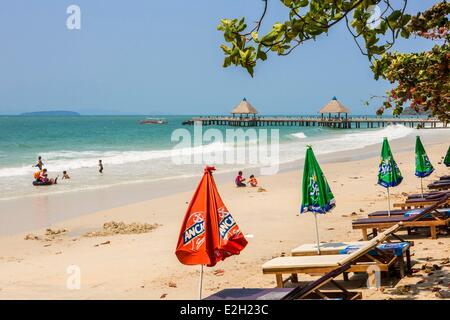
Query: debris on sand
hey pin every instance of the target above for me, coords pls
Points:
(163, 296)
(261, 189)
(103, 243)
(49, 235)
(172, 284)
(50, 232)
(113, 228)
(361, 210)
(405, 289)
(31, 236)
(219, 272)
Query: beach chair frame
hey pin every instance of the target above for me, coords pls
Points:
(419, 221)
(358, 261)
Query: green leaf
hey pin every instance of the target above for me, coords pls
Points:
(261, 55)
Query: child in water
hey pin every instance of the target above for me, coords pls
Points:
(253, 182)
(39, 164)
(100, 166)
(65, 175)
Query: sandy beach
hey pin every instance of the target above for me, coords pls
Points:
(34, 265)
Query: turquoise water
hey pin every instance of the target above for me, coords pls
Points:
(133, 153)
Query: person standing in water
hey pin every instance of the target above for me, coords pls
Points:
(100, 166)
(39, 164)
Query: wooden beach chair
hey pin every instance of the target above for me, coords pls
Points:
(360, 260)
(423, 202)
(428, 217)
(440, 185)
(312, 290)
(431, 194)
(402, 212)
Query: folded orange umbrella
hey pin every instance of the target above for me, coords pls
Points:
(209, 233)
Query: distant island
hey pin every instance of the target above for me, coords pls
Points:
(411, 112)
(50, 113)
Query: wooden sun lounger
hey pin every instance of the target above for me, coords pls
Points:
(312, 290)
(440, 185)
(401, 212)
(428, 195)
(359, 261)
(384, 213)
(429, 218)
(421, 203)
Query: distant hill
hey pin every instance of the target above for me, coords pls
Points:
(50, 113)
(411, 112)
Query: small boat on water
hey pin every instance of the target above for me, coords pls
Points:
(153, 121)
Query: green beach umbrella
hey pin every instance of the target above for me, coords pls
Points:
(423, 165)
(316, 194)
(447, 158)
(388, 174)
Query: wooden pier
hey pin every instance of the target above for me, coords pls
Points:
(341, 123)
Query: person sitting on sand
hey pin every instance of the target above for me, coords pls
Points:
(253, 182)
(100, 166)
(240, 180)
(65, 175)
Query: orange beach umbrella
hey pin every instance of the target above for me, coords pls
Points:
(209, 233)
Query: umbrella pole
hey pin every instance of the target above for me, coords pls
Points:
(421, 186)
(389, 203)
(317, 233)
(201, 283)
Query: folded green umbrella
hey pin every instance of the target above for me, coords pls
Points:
(423, 165)
(447, 158)
(316, 193)
(389, 174)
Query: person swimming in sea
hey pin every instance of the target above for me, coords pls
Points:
(100, 166)
(65, 175)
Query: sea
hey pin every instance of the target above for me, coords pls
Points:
(136, 153)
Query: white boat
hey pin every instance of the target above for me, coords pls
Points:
(153, 121)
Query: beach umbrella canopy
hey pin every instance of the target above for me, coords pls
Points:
(388, 174)
(209, 233)
(423, 165)
(316, 193)
(447, 158)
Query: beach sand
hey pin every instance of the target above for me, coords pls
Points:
(144, 266)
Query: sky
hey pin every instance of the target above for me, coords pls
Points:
(163, 57)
